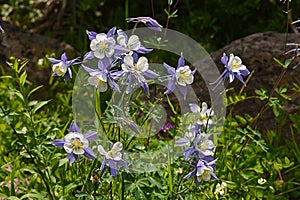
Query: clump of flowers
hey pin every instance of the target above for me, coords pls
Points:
(116, 59)
(198, 145)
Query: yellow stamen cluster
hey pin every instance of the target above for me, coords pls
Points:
(76, 144)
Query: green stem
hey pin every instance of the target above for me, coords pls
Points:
(126, 11)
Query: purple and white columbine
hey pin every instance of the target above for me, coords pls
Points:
(233, 68)
(126, 45)
(76, 144)
(134, 69)
(181, 77)
(199, 144)
(113, 158)
(62, 67)
(202, 115)
(148, 21)
(204, 171)
(102, 78)
(102, 45)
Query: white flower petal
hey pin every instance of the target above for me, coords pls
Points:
(194, 107)
(134, 43)
(117, 156)
(121, 40)
(128, 60)
(93, 80)
(109, 51)
(101, 37)
(118, 146)
(99, 54)
(101, 150)
(110, 42)
(70, 136)
(68, 148)
(142, 64)
(93, 45)
(85, 143)
(78, 151)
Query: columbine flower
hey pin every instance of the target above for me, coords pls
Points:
(76, 143)
(233, 68)
(112, 158)
(135, 68)
(202, 146)
(62, 67)
(102, 45)
(127, 45)
(203, 171)
(261, 181)
(181, 77)
(202, 115)
(148, 21)
(198, 143)
(102, 78)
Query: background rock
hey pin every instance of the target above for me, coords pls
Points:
(257, 52)
(26, 45)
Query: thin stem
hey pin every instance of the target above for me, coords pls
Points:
(126, 11)
(169, 16)
(152, 8)
(111, 194)
(241, 91)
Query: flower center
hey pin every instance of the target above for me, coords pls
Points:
(205, 175)
(184, 74)
(102, 45)
(60, 69)
(110, 155)
(235, 64)
(76, 144)
(202, 145)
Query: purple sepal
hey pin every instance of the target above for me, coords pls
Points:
(88, 152)
(91, 34)
(224, 59)
(182, 142)
(59, 143)
(72, 157)
(74, 127)
(111, 32)
(170, 69)
(181, 61)
(90, 135)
